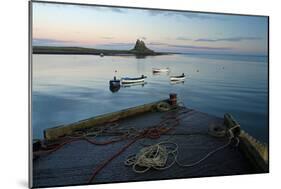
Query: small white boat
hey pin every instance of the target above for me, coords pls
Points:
(178, 78)
(130, 80)
(158, 70)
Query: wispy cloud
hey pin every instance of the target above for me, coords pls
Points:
(89, 7)
(143, 38)
(117, 44)
(201, 47)
(100, 8)
(107, 37)
(189, 46)
(118, 10)
(189, 15)
(183, 39)
(199, 16)
(158, 43)
(231, 39)
(48, 41)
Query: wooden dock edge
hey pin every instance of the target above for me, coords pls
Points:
(68, 129)
(254, 150)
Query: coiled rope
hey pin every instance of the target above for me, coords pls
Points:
(156, 156)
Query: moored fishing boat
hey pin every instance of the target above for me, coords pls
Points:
(159, 70)
(130, 80)
(114, 82)
(114, 85)
(178, 78)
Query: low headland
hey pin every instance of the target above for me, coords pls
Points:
(139, 50)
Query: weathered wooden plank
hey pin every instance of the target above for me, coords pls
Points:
(63, 130)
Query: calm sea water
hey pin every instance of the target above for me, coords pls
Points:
(68, 88)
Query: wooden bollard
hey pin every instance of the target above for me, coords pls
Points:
(173, 99)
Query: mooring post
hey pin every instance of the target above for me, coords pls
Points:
(173, 99)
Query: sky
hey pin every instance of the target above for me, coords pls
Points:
(169, 31)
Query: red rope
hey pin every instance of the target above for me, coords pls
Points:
(154, 132)
(105, 163)
(59, 146)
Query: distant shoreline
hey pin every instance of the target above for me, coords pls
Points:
(91, 51)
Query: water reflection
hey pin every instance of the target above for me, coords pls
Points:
(68, 88)
(160, 73)
(139, 56)
(114, 88)
(176, 82)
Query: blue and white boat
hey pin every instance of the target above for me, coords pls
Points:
(131, 80)
(178, 78)
(160, 70)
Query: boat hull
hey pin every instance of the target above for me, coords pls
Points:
(160, 70)
(114, 82)
(177, 78)
(132, 81)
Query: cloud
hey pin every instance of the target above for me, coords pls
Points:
(118, 10)
(183, 38)
(201, 47)
(185, 14)
(103, 8)
(158, 43)
(48, 41)
(89, 7)
(201, 16)
(107, 37)
(189, 46)
(117, 44)
(231, 39)
(154, 12)
(143, 38)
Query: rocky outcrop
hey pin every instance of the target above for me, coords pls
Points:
(141, 49)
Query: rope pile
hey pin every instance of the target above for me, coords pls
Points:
(156, 156)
